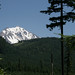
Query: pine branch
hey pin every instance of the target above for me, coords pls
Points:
(54, 9)
(71, 3)
(53, 25)
(46, 12)
(71, 16)
(50, 10)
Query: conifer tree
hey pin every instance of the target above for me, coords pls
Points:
(57, 6)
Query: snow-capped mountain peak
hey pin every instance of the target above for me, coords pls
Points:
(16, 34)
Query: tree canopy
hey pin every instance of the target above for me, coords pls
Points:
(55, 7)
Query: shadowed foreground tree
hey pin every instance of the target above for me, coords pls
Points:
(58, 6)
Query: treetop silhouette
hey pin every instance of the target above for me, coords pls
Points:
(55, 7)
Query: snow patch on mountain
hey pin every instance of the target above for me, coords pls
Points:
(15, 34)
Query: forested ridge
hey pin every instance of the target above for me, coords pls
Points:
(32, 56)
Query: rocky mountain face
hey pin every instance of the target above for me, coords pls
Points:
(15, 34)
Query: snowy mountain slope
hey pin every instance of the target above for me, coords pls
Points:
(16, 34)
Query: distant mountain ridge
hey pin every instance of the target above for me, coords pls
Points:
(15, 34)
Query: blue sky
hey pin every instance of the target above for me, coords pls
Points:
(26, 14)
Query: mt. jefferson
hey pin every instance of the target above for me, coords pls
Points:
(15, 34)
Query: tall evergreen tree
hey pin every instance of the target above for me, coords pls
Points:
(57, 6)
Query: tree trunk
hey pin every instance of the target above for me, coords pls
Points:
(62, 50)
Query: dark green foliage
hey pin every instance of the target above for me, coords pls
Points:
(32, 57)
(2, 42)
(70, 46)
